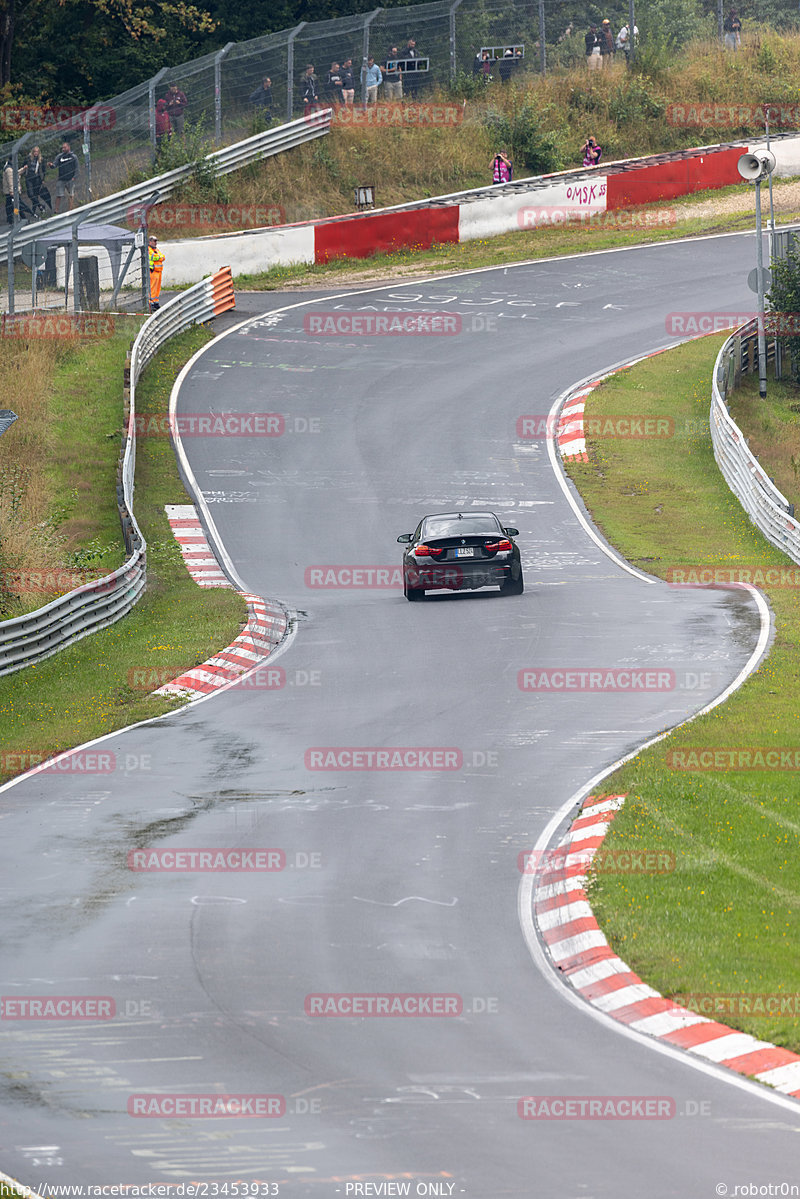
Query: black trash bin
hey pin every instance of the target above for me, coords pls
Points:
(89, 275)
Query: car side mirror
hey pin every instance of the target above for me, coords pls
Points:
(405, 537)
(511, 532)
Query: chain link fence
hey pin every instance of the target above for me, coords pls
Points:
(122, 140)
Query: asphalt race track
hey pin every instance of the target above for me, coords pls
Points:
(399, 881)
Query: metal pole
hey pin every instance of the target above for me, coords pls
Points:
(11, 268)
(367, 22)
(290, 69)
(15, 175)
(218, 57)
(151, 104)
(762, 347)
(76, 272)
(87, 153)
(631, 33)
(542, 50)
(771, 206)
(720, 21)
(453, 65)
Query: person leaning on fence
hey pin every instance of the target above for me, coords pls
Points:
(392, 76)
(371, 78)
(35, 173)
(411, 78)
(502, 170)
(348, 81)
(261, 98)
(732, 28)
(163, 123)
(592, 40)
(506, 65)
(156, 259)
(67, 165)
(333, 85)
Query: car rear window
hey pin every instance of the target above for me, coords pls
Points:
(469, 526)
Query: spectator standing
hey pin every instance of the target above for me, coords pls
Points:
(624, 40)
(333, 84)
(176, 108)
(732, 28)
(163, 123)
(156, 259)
(506, 66)
(348, 81)
(261, 98)
(309, 92)
(392, 77)
(66, 163)
(411, 78)
(35, 173)
(372, 78)
(592, 40)
(606, 43)
(502, 170)
(591, 152)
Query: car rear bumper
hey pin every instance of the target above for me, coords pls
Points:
(459, 576)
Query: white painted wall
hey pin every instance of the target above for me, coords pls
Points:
(191, 260)
(506, 211)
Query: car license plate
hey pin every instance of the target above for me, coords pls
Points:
(466, 551)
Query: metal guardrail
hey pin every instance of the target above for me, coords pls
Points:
(99, 603)
(252, 149)
(767, 507)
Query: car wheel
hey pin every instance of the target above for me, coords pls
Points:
(513, 586)
(413, 593)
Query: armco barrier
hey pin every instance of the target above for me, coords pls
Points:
(767, 508)
(481, 212)
(117, 206)
(95, 605)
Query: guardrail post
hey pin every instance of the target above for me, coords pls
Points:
(151, 104)
(453, 64)
(76, 283)
(11, 293)
(218, 57)
(290, 69)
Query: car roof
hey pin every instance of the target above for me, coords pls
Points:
(456, 515)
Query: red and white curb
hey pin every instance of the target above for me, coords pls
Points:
(580, 951)
(266, 622)
(197, 553)
(569, 431)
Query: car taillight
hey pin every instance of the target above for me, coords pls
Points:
(432, 551)
(495, 546)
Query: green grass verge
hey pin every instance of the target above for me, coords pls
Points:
(726, 920)
(101, 683)
(522, 245)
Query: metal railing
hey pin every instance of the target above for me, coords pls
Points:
(767, 507)
(99, 603)
(114, 207)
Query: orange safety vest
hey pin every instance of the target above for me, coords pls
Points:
(156, 270)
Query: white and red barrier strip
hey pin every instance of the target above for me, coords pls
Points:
(266, 623)
(582, 954)
(569, 432)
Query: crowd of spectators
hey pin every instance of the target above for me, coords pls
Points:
(601, 45)
(397, 74)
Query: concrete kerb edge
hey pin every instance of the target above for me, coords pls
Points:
(555, 835)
